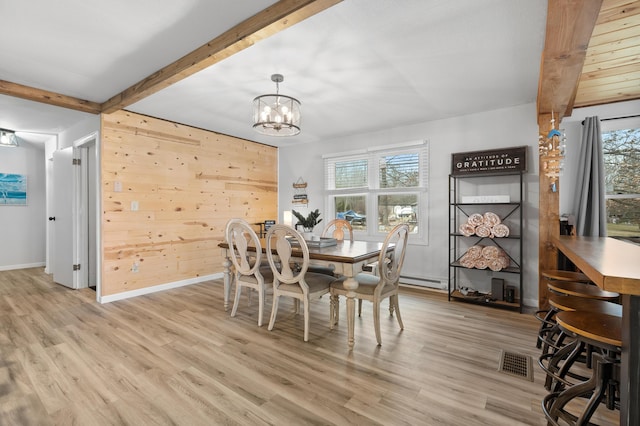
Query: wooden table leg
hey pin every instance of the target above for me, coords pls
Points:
(351, 284)
(630, 363)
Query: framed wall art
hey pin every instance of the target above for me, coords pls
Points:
(13, 189)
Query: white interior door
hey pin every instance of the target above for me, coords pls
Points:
(63, 195)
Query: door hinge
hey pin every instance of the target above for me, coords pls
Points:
(76, 162)
(76, 267)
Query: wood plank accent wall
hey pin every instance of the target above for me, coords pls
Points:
(188, 183)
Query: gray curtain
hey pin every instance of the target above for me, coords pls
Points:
(589, 205)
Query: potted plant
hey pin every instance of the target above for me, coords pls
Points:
(309, 222)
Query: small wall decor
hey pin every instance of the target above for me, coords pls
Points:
(13, 189)
(300, 195)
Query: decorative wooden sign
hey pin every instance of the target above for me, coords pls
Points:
(495, 161)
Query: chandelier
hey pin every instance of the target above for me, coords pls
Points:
(8, 138)
(276, 115)
(552, 150)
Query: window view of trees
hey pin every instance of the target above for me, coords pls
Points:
(621, 150)
(352, 208)
(398, 171)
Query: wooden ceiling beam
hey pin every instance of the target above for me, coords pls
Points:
(271, 20)
(46, 97)
(570, 24)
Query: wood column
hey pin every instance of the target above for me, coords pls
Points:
(548, 221)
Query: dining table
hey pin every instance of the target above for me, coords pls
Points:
(614, 265)
(347, 258)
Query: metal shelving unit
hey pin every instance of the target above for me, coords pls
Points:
(511, 212)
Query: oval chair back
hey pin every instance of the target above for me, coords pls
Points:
(239, 233)
(339, 229)
(290, 275)
(375, 288)
(390, 261)
(240, 236)
(281, 239)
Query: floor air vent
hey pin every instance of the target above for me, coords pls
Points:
(516, 365)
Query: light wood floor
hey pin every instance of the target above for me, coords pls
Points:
(178, 358)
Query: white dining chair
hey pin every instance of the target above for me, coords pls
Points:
(338, 229)
(290, 275)
(247, 264)
(385, 284)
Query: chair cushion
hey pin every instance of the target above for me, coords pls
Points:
(366, 284)
(316, 283)
(367, 287)
(367, 279)
(265, 272)
(318, 269)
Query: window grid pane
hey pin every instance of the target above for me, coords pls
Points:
(394, 209)
(399, 171)
(352, 208)
(621, 149)
(351, 174)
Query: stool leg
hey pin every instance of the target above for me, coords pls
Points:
(595, 386)
(568, 363)
(546, 324)
(554, 359)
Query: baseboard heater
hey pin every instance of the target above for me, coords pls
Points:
(424, 282)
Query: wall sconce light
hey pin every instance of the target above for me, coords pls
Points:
(8, 138)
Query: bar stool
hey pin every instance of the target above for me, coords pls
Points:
(558, 303)
(555, 349)
(548, 330)
(558, 282)
(560, 275)
(552, 275)
(601, 331)
(590, 291)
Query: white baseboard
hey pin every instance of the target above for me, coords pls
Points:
(440, 284)
(22, 266)
(157, 288)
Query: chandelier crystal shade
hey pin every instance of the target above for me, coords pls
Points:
(8, 138)
(276, 114)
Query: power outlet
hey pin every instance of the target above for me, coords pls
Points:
(134, 267)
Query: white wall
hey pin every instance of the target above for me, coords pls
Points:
(22, 228)
(78, 131)
(573, 129)
(508, 127)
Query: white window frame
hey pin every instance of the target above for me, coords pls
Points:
(373, 191)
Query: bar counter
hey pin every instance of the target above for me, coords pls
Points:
(614, 265)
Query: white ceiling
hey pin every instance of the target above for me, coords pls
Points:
(359, 66)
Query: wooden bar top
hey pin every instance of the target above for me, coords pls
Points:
(613, 265)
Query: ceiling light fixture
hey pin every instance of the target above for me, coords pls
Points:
(8, 138)
(276, 115)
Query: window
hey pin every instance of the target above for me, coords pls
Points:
(621, 150)
(378, 189)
